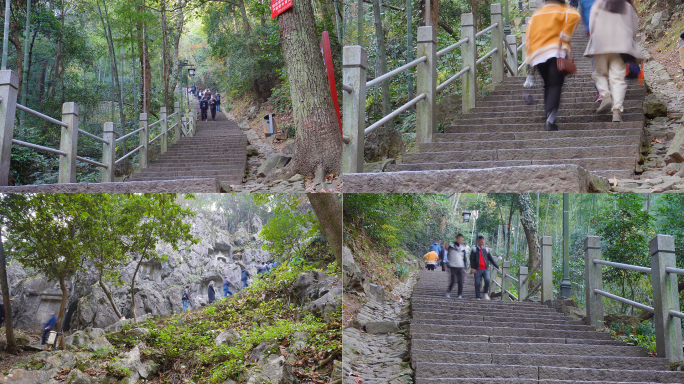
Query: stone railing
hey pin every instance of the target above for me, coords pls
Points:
(545, 283)
(663, 271)
(354, 85)
(68, 150)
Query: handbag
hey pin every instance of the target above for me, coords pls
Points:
(566, 66)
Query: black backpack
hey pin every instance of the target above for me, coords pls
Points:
(185, 295)
(203, 104)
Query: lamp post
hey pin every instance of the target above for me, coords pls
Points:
(24, 83)
(507, 24)
(191, 72)
(565, 283)
(182, 64)
(466, 217)
(5, 35)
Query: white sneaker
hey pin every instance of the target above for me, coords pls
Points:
(529, 81)
(486, 297)
(459, 297)
(448, 294)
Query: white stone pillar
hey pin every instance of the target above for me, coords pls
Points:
(354, 63)
(68, 143)
(9, 82)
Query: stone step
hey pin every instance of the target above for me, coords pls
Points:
(514, 339)
(566, 98)
(562, 119)
(503, 331)
(534, 135)
(225, 179)
(193, 167)
(488, 380)
(445, 370)
(569, 88)
(473, 127)
(200, 173)
(538, 107)
(554, 154)
(531, 348)
(511, 323)
(420, 299)
(614, 166)
(555, 360)
(490, 317)
(497, 311)
(533, 143)
(538, 113)
(196, 157)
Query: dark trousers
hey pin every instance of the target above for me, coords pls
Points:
(479, 275)
(213, 113)
(553, 84)
(44, 336)
(456, 277)
(203, 116)
(244, 283)
(430, 267)
(443, 266)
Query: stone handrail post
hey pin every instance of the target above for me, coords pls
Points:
(523, 71)
(144, 136)
(426, 83)
(68, 143)
(492, 275)
(164, 128)
(177, 122)
(354, 63)
(9, 82)
(108, 152)
(593, 279)
(512, 58)
(497, 42)
(546, 270)
(522, 287)
(468, 58)
(505, 280)
(668, 329)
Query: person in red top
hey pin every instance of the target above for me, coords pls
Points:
(480, 258)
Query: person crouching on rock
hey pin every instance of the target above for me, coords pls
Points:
(47, 327)
(210, 292)
(226, 285)
(431, 260)
(480, 258)
(186, 297)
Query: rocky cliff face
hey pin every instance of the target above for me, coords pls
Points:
(159, 285)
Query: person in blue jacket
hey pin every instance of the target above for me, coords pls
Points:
(226, 285)
(245, 276)
(47, 327)
(585, 10)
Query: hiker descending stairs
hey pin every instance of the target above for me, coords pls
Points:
(486, 342)
(218, 150)
(502, 130)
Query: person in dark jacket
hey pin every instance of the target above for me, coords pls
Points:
(480, 258)
(2, 315)
(186, 297)
(212, 108)
(226, 286)
(217, 96)
(262, 268)
(245, 277)
(47, 327)
(204, 105)
(210, 292)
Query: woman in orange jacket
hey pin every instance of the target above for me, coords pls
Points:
(431, 260)
(548, 37)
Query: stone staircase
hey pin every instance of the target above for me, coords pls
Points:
(217, 151)
(502, 131)
(496, 342)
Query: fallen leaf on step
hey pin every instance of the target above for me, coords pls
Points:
(358, 380)
(615, 181)
(656, 140)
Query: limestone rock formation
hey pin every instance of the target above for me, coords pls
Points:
(158, 289)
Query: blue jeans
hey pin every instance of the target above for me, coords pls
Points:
(479, 274)
(185, 305)
(44, 336)
(226, 291)
(244, 283)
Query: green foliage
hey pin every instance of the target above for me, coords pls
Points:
(402, 271)
(117, 370)
(290, 227)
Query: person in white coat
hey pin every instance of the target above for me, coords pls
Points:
(456, 260)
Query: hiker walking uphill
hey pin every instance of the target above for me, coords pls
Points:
(186, 297)
(47, 327)
(217, 96)
(211, 293)
(245, 278)
(204, 105)
(480, 258)
(456, 260)
(613, 28)
(226, 287)
(431, 260)
(548, 44)
(212, 108)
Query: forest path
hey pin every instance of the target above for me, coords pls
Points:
(218, 151)
(486, 342)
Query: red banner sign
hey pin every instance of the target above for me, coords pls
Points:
(327, 60)
(279, 6)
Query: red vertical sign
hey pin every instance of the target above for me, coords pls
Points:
(279, 6)
(327, 60)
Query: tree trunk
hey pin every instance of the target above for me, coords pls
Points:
(62, 308)
(9, 328)
(109, 296)
(318, 141)
(382, 59)
(328, 210)
(529, 223)
(137, 267)
(508, 235)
